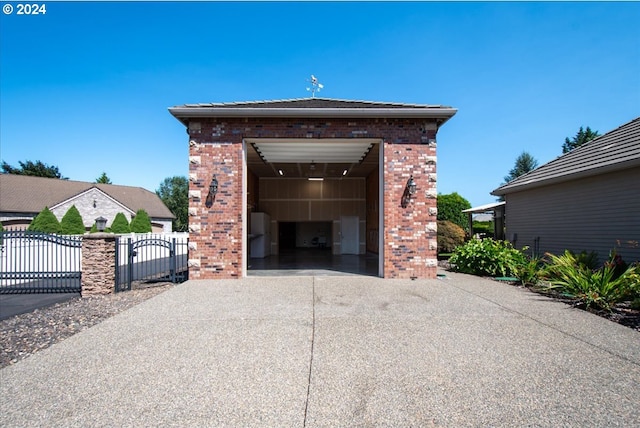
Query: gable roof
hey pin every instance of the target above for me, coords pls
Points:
(613, 151)
(313, 107)
(27, 194)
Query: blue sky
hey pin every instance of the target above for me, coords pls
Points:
(86, 86)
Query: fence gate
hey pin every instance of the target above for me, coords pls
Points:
(34, 262)
(150, 258)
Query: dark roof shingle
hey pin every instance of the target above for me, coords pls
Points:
(28, 194)
(617, 149)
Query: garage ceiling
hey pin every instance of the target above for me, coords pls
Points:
(304, 158)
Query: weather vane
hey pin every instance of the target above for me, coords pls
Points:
(315, 86)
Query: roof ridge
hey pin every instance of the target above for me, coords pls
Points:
(290, 100)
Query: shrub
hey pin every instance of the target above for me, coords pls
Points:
(588, 260)
(598, 288)
(488, 257)
(141, 222)
(450, 235)
(45, 222)
(484, 227)
(531, 271)
(450, 209)
(120, 224)
(71, 223)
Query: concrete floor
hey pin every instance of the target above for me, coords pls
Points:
(313, 261)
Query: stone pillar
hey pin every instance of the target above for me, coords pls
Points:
(98, 264)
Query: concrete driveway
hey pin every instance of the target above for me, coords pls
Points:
(325, 351)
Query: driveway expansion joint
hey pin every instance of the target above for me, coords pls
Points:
(313, 331)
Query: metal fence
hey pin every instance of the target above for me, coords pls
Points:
(34, 262)
(151, 257)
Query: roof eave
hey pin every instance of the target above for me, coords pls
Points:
(508, 188)
(443, 113)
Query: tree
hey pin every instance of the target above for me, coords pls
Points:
(120, 224)
(37, 169)
(581, 137)
(450, 209)
(45, 222)
(103, 179)
(524, 163)
(450, 236)
(141, 223)
(174, 192)
(71, 223)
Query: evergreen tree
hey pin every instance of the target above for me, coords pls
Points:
(581, 137)
(45, 222)
(120, 224)
(141, 223)
(103, 179)
(37, 169)
(524, 163)
(450, 209)
(71, 223)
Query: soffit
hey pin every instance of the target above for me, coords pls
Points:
(327, 158)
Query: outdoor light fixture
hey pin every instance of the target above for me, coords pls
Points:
(409, 189)
(280, 172)
(213, 190)
(411, 186)
(101, 224)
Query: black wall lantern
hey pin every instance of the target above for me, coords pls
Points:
(213, 190)
(409, 189)
(101, 224)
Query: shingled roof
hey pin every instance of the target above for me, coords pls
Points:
(313, 107)
(27, 194)
(613, 151)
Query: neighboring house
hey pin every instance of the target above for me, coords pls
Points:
(585, 200)
(23, 197)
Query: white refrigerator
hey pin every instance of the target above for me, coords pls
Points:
(260, 235)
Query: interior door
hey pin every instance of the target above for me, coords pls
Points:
(350, 235)
(287, 235)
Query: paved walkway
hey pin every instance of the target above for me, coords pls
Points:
(335, 352)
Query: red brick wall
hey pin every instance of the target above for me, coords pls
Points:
(216, 232)
(410, 243)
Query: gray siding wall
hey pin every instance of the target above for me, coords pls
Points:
(594, 214)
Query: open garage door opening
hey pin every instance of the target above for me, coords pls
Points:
(312, 206)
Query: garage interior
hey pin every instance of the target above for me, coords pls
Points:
(313, 206)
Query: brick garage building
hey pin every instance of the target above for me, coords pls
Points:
(318, 163)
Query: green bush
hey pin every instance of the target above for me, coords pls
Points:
(450, 209)
(45, 222)
(588, 260)
(488, 257)
(450, 236)
(531, 271)
(599, 288)
(141, 223)
(120, 224)
(71, 223)
(485, 227)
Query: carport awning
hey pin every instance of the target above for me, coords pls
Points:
(484, 208)
(305, 151)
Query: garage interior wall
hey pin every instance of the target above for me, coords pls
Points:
(302, 200)
(373, 212)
